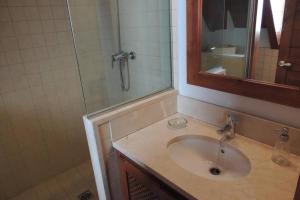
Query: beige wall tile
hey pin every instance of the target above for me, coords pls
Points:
(17, 13)
(41, 131)
(7, 29)
(140, 118)
(67, 185)
(4, 14)
(32, 13)
(266, 64)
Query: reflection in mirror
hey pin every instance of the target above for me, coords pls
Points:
(224, 37)
(265, 66)
(278, 55)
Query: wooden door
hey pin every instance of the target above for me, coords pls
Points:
(297, 194)
(288, 69)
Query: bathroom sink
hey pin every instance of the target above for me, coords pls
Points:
(204, 156)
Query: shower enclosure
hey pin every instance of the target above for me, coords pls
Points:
(123, 49)
(60, 60)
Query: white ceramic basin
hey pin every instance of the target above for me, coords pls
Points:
(203, 157)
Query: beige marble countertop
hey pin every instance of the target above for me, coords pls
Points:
(266, 181)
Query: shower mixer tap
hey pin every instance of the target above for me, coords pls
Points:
(119, 56)
(123, 58)
(123, 55)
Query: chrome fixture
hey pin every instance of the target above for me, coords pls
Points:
(211, 49)
(86, 195)
(281, 148)
(284, 134)
(123, 57)
(228, 131)
(282, 63)
(215, 171)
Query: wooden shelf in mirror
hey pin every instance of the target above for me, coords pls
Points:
(277, 93)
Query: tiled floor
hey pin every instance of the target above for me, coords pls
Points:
(65, 186)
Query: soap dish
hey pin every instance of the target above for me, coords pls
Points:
(177, 123)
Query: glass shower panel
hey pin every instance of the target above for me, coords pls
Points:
(123, 49)
(96, 39)
(145, 29)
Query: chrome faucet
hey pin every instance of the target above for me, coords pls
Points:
(228, 131)
(123, 57)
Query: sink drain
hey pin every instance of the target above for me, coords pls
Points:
(215, 171)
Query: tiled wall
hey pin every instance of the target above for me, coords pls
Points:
(65, 186)
(41, 132)
(266, 65)
(145, 29)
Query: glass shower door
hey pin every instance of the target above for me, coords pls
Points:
(123, 49)
(145, 30)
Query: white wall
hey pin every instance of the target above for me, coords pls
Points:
(279, 113)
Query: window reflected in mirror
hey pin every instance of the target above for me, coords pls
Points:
(265, 67)
(224, 37)
(277, 53)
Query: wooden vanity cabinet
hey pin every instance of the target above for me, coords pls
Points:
(297, 194)
(138, 184)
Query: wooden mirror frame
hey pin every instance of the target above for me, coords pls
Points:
(277, 93)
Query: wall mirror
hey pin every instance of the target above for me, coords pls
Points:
(246, 47)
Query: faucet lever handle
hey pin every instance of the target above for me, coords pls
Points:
(231, 117)
(283, 134)
(231, 121)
